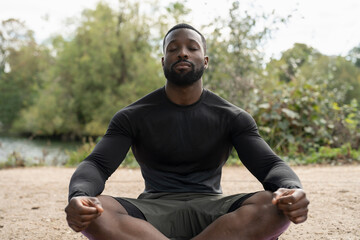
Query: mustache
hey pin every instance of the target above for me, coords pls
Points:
(179, 61)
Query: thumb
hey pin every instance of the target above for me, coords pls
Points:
(94, 202)
(99, 208)
(281, 192)
(275, 198)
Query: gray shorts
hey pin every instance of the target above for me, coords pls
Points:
(182, 215)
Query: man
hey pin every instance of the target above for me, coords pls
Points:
(181, 135)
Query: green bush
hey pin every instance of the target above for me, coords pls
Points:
(14, 159)
(344, 154)
(302, 119)
(77, 156)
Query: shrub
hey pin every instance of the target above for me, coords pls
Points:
(77, 156)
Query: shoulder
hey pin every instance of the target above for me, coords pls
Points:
(138, 109)
(143, 104)
(240, 119)
(152, 99)
(221, 105)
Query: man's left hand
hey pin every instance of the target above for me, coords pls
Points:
(293, 203)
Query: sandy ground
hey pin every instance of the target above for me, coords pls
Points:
(32, 200)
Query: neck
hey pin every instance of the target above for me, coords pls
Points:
(184, 95)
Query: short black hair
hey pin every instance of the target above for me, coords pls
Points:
(184, 25)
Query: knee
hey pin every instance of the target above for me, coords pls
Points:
(260, 209)
(264, 208)
(95, 227)
(269, 214)
(258, 212)
(103, 226)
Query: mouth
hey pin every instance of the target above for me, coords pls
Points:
(182, 66)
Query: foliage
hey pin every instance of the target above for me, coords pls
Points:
(305, 65)
(15, 159)
(303, 118)
(354, 56)
(288, 66)
(344, 154)
(312, 107)
(306, 104)
(129, 161)
(22, 62)
(234, 51)
(106, 66)
(78, 155)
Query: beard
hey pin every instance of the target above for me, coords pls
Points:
(186, 79)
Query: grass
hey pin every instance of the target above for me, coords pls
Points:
(344, 154)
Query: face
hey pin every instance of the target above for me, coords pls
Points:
(184, 60)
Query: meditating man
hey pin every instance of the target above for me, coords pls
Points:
(181, 136)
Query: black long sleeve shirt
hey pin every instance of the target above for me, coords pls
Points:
(181, 148)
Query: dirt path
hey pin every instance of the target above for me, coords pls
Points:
(32, 200)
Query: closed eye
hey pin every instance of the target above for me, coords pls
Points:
(193, 49)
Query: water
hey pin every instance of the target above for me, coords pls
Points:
(36, 151)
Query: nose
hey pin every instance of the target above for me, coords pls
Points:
(183, 53)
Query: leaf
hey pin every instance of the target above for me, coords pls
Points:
(265, 129)
(336, 107)
(309, 130)
(264, 106)
(289, 113)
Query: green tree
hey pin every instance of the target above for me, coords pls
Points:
(302, 64)
(286, 68)
(235, 68)
(107, 65)
(311, 103)
(354, 55)
(22, 62)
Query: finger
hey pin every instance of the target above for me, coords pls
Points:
(94, 202)
(298, 220)
(88, 211)
(295, 196)
(79, 226)
(297, 212)
(298, 194)
(276, 195)
(287, 200)
(75, 228)
(99, 207)
(281, 193)
(293, 209)
(79, 220)
(86, 218)
(287, 205)
(80, 205)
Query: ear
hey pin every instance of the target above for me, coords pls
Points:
(206, 62)
(162, 61)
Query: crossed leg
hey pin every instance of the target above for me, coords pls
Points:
(256, 219)
(115, 223)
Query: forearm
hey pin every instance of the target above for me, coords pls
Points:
(267, 167)
(281, 176)
(259, 158)
(90, 176)
(87, 180)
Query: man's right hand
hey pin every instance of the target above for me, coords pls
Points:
(81, 211)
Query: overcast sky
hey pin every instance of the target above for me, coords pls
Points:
(330, 26)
